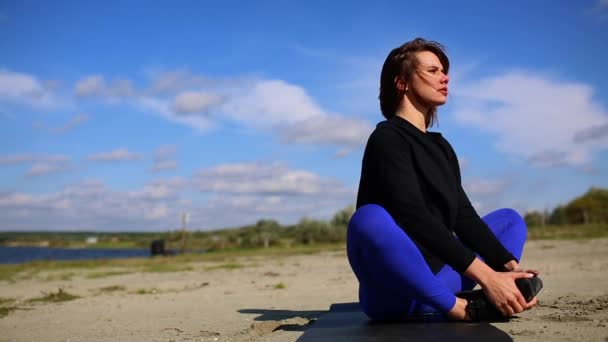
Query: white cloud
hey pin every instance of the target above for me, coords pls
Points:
(174, 81)
(165, 152)
(194, 102)
(485, 187)
(42, 164)
(121, 88)
(595, 132)
(95, 86)
(164, 158)
(21, 158)
(158, 205)
(538, 118)
(328, 130)
(264, 179)
(120, 154)
(250, 191)
(44, 168)
(91, 205)
(163, 108)
(164, 165)
(24, 88)
(160, 190)
(68, 126)
(270, 103)
(16, 159)
(16, 199)
(258, 104)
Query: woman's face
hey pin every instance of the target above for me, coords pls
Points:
(429, 81)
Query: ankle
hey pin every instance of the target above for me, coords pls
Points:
(458, 311)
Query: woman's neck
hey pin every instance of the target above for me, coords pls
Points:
(413, 114)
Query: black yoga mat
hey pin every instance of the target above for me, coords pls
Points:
(346, 322)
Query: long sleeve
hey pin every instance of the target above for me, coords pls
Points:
(389, 174)
(471, 229)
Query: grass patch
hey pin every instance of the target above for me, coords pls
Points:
(62, 276)
(4, 300)
(280, 286)
(147, 291)
(104, 274)
(568, 232)
(11, 273)
(226, 266)
(54, 297)
(166, 268)
(5, 310)
(15, 272)
(5, 307)
(112, 288)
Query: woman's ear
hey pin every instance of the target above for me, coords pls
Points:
(402, 87)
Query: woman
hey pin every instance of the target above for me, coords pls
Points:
(415, 242)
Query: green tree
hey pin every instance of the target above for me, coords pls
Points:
(534, 218)
(592, 207)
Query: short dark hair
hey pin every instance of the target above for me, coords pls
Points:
(402, 62)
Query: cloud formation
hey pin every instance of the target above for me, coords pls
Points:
(485, 187)
(164, 158)
(90, 205)
(535, 117)
(26, 89)
(25, 158)
(72, 123)
(95, 86)
(190, 102)
(217, 197)
(117, 155)
(42, 164)
(328, 130)
(259, 178)
(263, 105)
(44, 168)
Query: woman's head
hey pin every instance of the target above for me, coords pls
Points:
(417, 69)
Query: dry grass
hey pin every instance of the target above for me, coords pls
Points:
(54, 297)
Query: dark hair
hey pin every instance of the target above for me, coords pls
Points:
(401, 63)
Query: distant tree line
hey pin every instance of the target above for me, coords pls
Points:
(591, 207)
(268, 232)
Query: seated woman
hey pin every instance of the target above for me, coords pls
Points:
(415, 242)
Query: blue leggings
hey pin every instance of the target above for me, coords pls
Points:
(395, 280)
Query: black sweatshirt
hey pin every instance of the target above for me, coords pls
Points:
(415, 176)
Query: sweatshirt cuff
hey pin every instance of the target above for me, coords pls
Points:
(463, 263)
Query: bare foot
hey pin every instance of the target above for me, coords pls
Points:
(459, 312)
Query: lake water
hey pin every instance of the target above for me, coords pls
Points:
(16, 255)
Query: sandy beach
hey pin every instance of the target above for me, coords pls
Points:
(278, 298)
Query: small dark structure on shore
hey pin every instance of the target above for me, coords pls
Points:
(157, 247)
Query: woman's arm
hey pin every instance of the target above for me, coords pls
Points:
(473, 231)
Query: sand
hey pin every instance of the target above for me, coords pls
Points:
(277, 298)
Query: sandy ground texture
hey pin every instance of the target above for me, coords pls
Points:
(278, 298)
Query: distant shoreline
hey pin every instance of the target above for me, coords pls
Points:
(25, 254)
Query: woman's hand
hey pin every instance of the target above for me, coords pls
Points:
(513, 266)
(500, 287)
(501, 290)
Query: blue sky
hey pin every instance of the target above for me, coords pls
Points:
(122, 115)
